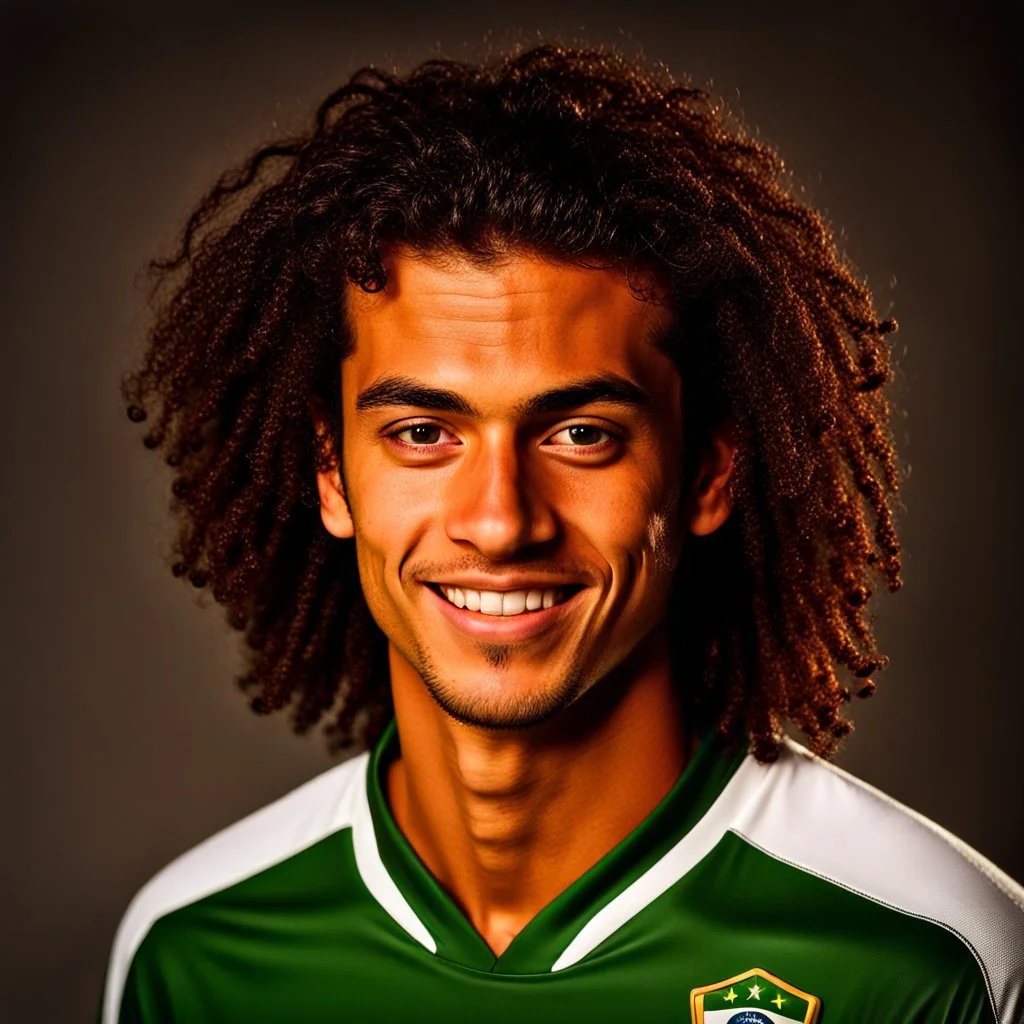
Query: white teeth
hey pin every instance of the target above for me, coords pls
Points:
(497, 602)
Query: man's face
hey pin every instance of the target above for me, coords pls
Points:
(512, 438)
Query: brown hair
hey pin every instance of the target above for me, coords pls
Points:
(583, 156)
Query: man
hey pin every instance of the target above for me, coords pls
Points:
(533, 431)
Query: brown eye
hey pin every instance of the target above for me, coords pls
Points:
(585, 434)
(581, 435)
(421, 434)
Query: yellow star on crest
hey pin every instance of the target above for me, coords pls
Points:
(731, 996)
(755, 991)
(778, 1000)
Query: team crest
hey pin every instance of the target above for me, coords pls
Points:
(753, 997)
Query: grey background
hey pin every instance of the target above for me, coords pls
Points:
(124, 739)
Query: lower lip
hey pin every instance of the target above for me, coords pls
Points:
(506, 628)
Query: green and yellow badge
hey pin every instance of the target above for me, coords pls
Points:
(754, 997)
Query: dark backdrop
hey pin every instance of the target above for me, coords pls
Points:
(125, 741)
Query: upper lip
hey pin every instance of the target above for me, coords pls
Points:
(506, 583)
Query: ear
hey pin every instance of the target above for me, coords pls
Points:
(709, 501)
(334, 511)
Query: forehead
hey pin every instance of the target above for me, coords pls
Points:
(503, 330)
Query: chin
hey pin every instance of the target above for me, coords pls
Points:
(504, 706)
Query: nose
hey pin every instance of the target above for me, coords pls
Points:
(496, 503)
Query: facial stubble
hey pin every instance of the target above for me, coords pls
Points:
(514, 711)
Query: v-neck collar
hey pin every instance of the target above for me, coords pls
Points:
(542, 940)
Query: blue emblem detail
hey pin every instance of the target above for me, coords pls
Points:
(749, 1017)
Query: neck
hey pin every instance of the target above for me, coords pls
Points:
(506, 820)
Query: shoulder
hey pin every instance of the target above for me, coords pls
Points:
(818, 818)
(273, 834)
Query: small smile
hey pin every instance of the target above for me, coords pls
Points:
(504, 602)
(508, 615)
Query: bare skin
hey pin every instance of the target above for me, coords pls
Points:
(531, 744)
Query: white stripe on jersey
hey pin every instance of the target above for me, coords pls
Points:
(375, 876)
(816, 817)
(663, 874)
(819, 818)
(299, 819)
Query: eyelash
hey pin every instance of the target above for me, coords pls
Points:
(393, 437)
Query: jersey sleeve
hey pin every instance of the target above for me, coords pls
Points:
(143, 999)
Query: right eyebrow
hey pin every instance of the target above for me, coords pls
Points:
(396, 390)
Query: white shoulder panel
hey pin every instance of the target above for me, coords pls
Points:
(270, 835)
(821, 819)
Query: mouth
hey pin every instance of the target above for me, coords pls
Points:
(504, 615)
(505, 603)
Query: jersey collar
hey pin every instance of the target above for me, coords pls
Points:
(538, 947)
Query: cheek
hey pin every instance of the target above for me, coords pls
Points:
(370, 563)
(377, 528)
(644, 542)
(635, 541)
(383, 505)
(641, 514)
(390, 521)
(664, 536)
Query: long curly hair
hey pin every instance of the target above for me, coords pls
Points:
(587, 157)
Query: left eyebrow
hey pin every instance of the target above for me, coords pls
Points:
(609, 388)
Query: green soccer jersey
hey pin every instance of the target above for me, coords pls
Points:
(751, 894)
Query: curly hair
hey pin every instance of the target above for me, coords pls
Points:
(589, 158)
